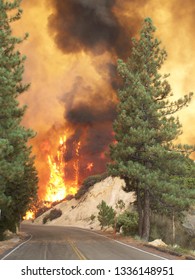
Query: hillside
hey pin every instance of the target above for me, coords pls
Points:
(78, 212)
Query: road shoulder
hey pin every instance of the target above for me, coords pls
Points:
(161, 251)
(8, 245)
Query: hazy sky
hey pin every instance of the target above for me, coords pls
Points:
(71, 55)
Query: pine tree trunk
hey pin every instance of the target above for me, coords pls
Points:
(140, 213)
(146, 216)
(173, 229)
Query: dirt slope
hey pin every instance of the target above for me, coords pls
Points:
(78, 212)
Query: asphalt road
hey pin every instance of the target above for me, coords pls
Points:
(69, 243)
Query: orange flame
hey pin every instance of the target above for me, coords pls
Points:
(57, 188)
(89, 166)
(30, 215)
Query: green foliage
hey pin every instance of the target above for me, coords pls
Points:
(4, 205)
(53, 214)
(106, 214)
(92, 217)
(18, 175)
(162, 228)
(128, 221)
(89, 182)
(120, 204)
(144, 154)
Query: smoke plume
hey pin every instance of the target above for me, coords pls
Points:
(71, 64)
(89, 26)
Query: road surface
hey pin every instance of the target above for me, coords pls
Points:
(69, 243)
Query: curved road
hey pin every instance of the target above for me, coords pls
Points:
(69, 243)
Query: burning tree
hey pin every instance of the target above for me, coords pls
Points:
(58, 187)
(18, 176)
(144, 154)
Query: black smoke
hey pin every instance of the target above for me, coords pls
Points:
(90, 117)
(88, 25)
(93, 27)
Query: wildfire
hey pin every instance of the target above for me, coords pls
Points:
(30, 215)
(58, 185)
(58, 188)
(89, 166)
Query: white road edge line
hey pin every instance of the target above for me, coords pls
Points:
(16, 248)
(93, 233)
(124, 244)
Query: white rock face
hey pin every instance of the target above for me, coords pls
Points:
(158, 243)
(78, 212)
(189, 223)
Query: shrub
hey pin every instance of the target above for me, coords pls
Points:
(2, 235)
(92, 217)
(41, 210)
(106, 214)
(128, 221)
(89, 182)
(120, 204)
(69, 197)
(53, 214)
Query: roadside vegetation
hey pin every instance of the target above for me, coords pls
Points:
(18, 176)
(160, 172)
(88, 183)
(52, 215)
(145, 153)
(123, 221)
(179, 241)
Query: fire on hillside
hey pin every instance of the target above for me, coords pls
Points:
(59, 184)
(71, 63)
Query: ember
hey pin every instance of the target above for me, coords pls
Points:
(90, 166)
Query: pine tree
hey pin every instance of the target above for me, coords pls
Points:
(18, 176)
(144, 154)
(106, 214)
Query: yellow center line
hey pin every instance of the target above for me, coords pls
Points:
(76, 250)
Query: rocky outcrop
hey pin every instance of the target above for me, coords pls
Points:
(82, 212)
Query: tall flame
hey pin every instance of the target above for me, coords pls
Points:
(73, 82)
(57, 187)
